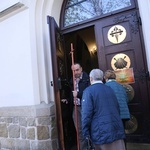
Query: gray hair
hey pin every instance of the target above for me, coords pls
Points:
(96, 74)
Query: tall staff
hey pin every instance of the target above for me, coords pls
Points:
(74, 88)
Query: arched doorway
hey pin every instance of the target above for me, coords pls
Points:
(113, 41)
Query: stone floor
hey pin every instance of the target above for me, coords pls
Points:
(132, 146)
(138, 146)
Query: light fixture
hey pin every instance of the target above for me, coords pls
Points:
(93, 50)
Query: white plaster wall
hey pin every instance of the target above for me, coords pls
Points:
(144, 6)
(16, 86)
(25, 59)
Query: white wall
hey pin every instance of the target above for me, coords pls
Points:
(25, 59)
(144, 6)
(16, 85)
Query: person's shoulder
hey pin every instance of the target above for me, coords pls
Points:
(87, 89)
(111, 83)
(85, 74)
(99, 86)
(105, 86)
(120, 85)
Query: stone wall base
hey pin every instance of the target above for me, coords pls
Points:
(28, 128)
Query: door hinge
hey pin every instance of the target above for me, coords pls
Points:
(139, 21)
(51, 83)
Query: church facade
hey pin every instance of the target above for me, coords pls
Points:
(29, 110)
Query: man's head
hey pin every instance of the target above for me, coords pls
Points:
(96, 75)
(77, 70)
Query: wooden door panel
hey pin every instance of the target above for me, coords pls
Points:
(133, 48)
(62, 90)
(58, 73)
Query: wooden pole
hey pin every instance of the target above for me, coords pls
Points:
(74, 88)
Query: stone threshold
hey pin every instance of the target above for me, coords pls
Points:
(138, 146)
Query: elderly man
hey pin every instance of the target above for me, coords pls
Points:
(100, 115)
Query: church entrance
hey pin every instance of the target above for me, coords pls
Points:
(111, 42)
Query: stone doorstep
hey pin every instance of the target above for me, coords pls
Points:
(138, 146)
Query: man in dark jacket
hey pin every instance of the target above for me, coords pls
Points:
(81, 82)
(100, 115)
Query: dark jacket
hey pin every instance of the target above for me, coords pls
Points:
(121, 97)
(100, 115)
(83, 83)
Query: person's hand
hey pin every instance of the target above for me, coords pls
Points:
(64, 101)
(75, 93)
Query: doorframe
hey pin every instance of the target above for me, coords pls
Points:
(93, 22)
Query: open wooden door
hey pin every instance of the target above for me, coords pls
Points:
(120, 48)
(61, 86)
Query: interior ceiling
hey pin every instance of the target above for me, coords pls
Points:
(88, 37)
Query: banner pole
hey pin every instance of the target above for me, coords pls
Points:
(74, 88)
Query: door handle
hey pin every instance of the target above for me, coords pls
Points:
(59, 83)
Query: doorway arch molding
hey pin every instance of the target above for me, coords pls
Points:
(40, 46)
